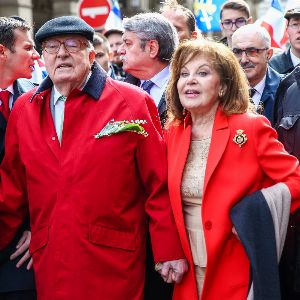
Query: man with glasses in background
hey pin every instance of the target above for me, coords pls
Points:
(251, 44)
(285, 62)
(234, 14)
(85, 157)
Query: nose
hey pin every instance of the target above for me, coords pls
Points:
(244, 58)
(191, 79)
(62, 51)
(121, 50)
(35, 55)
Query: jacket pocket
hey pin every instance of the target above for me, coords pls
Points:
(39, 239)
(100, 235)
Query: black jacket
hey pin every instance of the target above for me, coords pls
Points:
(12, 278)
(282, 63)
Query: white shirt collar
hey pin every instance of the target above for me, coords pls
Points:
(295, 59)
(261, 85)
(56, 94)
(161, 78)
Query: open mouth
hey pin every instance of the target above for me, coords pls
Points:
(63, 66)
(191, 92)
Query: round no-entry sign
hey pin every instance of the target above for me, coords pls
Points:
(94, 12)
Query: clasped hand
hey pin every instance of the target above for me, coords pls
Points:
(173, 270)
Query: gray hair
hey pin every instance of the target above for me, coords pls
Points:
(256, 29)
(7, 30)
(154, 26)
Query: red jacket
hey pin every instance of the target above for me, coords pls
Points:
(231, 173)
(88, 199)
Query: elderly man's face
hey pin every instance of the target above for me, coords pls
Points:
(293, 31)
(72, 62)
(254, 59)
(134, 58)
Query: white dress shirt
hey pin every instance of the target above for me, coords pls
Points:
(160, 81)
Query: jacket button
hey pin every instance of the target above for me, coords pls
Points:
(208, 225)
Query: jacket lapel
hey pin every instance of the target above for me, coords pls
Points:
(219, 140)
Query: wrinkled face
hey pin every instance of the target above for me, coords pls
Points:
(293, 31)
(255, 62)
(198, 85)
(237, 19)
(134, 58)
(65, 67)
(115, 41)
(20, 63)
(178, 19)
(102, 57)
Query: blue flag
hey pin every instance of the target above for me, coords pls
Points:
(207, 14)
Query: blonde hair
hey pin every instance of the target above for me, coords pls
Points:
(235, 99)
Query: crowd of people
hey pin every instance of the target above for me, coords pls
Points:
(150, 162)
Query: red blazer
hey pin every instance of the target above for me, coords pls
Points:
(89, 200)
(231, 173)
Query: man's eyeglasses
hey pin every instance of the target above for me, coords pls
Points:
(250, 52)
(71, 45)
(294, 26)
(239, 22)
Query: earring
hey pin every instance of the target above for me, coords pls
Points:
(221, 93)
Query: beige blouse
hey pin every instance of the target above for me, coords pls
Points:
(192, 192)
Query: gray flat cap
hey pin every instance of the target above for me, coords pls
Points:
(65, 25)
(292, 13)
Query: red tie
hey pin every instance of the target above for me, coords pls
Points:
(4, 108)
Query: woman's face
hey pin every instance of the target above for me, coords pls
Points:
(199, 85)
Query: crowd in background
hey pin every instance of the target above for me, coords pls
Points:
(150, 162)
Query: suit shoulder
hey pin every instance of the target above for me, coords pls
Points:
(247, 119)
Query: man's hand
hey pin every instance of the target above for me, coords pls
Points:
(22, 247)
(172, 271)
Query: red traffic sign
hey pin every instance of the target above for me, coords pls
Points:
(94, 12)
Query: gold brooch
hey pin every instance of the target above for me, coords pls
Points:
(240, 138)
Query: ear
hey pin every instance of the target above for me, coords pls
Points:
(2, 50)
(250, 20)
(92, 55)
(153, 48)
(270, 53)
(194, 35)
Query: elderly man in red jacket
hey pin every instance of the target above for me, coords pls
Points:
(85, 158)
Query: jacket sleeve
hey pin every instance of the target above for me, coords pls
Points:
(152, 164)
(13, 200)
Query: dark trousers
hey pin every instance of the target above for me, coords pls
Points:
(19, 295)
(155, 287)
(289, 266)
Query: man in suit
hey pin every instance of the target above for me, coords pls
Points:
(285, 62)
(90, 168)
(252, 47)
(148, 43)
(17, 58)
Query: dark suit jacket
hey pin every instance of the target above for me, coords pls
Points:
(161, 107)
(273, 79)
(282, 63)
(11, 278)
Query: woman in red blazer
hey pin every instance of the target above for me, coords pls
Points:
(217, 154)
